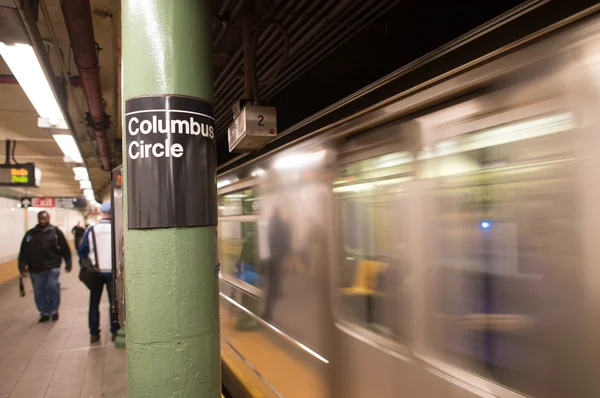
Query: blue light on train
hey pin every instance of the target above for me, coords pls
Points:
(486, 224)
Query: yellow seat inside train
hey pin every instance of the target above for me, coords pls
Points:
(365, 277)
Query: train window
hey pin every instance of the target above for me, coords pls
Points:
(246, 202)
(506, 252)
(370, 195)
(238, 232)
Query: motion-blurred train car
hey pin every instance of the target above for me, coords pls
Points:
(444, 243)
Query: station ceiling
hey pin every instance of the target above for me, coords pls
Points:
(19, 120)
(311, 53)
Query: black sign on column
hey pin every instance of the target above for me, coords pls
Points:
(171, 162)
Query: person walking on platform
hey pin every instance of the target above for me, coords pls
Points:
(98, 240)
(42, 250)
(78, 232)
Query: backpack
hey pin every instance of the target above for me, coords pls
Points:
(88, 270)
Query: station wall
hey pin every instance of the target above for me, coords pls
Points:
(14, 221)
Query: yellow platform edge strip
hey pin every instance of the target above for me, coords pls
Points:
(8, 271)
(237, 381)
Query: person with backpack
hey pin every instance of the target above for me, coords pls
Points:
(78, 232)
(97, 245)
(42, 250)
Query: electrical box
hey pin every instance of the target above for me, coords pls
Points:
(253, 128)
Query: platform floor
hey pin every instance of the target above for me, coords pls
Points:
(55, 359)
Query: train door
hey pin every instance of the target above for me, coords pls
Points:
(372, 264)
(503, 240)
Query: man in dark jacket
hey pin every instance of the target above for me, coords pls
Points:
(42, 251)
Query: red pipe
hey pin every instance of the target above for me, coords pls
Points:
(78, 20)
(10, 79)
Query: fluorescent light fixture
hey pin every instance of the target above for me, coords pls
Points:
(258, 173)
(519, 131)
(89, 193)
(44, 123)
(299, 160)
(223, 183)
(67, 145)
(26, 68)
(391, 181)
(354, 188)
(392, 161)
(85, 184)
(81, 173)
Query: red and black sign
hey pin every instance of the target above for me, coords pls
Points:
(49, 203)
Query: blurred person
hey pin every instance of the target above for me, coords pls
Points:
(78, 231)
(98, 240)
(279, 247)
(246, 273)
(42, 250)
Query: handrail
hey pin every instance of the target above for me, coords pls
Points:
(243, 286)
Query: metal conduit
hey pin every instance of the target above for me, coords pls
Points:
(296, 66)
(234, 14)
(302, 64)
(226, 77)
(269, 50)
(351, 16)
(305, 54)
(305, 45)
(424, 60)
(232, 87)
(227, 80)
(305, 38)
(309, 44)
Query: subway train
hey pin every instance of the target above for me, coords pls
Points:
(442, 243)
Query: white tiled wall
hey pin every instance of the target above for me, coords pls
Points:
(64, 219)
(13, 228)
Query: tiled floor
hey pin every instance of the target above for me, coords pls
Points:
(56, 360)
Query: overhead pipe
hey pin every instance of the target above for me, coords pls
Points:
(78, 20)
(66, 74)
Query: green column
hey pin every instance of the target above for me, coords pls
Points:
(171, 285)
